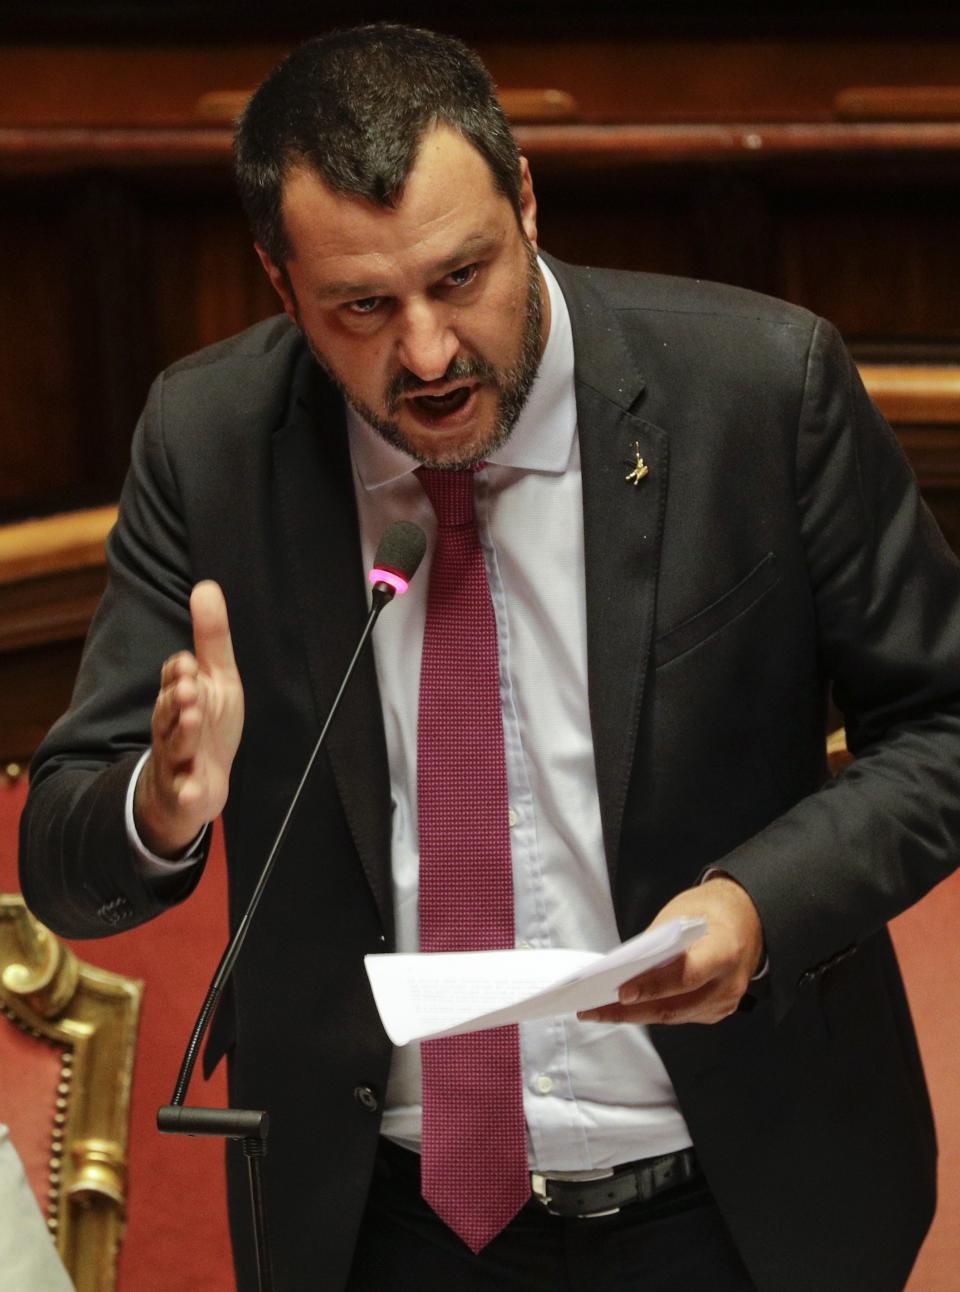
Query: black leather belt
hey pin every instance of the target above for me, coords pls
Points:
(603, 1193)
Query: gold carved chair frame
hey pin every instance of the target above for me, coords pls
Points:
(90, 1016)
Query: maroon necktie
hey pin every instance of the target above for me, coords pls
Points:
(474, 1163)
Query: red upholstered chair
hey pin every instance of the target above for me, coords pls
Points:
(67, 1036)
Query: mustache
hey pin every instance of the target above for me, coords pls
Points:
(406, 383)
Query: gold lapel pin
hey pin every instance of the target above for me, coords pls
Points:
(640, 468)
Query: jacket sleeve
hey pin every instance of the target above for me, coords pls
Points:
(78, 872)
(843, 861)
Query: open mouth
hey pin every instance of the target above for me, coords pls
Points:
(441, 405)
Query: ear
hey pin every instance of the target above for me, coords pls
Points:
(528, 204)
(281, 283)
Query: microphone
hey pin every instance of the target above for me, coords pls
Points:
(398, 559)
(398, 556)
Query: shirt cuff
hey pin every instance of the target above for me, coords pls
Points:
(153, 866)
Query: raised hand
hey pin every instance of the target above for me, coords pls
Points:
(195, 730)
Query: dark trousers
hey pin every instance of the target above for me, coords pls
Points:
(676, 1243)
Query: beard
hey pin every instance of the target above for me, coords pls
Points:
(512, 385)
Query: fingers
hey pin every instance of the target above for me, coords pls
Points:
(709, 1003)
(213, 644)
(198, 715)
(178, 712)
(715, 958)
(681, 975)
(182, 702)
(170, 803)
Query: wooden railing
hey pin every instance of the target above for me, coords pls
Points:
(52, 572)
(45, 149)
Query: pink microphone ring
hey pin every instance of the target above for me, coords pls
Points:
(396, 581)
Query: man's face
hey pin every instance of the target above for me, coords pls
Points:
(430, 316)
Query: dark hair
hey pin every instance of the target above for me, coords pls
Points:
(353, 107)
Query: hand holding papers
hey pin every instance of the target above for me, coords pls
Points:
(423, 996)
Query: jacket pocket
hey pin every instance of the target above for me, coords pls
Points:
(764, 576)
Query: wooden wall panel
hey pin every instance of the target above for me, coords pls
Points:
(620, 219)
(112, 322)
(35, 688)
(205, 279)
(153, 83)
(41, 454)
(74, 362)
(878, 263)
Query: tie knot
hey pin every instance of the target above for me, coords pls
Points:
(450, 494)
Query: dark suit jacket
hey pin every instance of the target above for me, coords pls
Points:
(777, 547)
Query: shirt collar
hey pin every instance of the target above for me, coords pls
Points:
(543, 436)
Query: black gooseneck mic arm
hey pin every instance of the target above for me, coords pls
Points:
(398, 557)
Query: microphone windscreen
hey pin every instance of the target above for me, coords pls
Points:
(401, 549)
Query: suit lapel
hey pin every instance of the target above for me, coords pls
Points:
(623, 523)
(318, 509)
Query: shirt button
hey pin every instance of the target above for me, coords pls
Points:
(513, 816)
(543, 1084)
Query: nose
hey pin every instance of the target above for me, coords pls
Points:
(427, 343)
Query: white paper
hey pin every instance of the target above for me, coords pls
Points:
(445, 993)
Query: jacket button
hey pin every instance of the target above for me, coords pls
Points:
(366, 1097)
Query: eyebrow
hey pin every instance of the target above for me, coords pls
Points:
(472, 248)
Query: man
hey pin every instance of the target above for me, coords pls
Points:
(693, 522)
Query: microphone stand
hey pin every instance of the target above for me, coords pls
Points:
(248, 1126)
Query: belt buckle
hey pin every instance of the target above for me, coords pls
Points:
(539, 1180)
